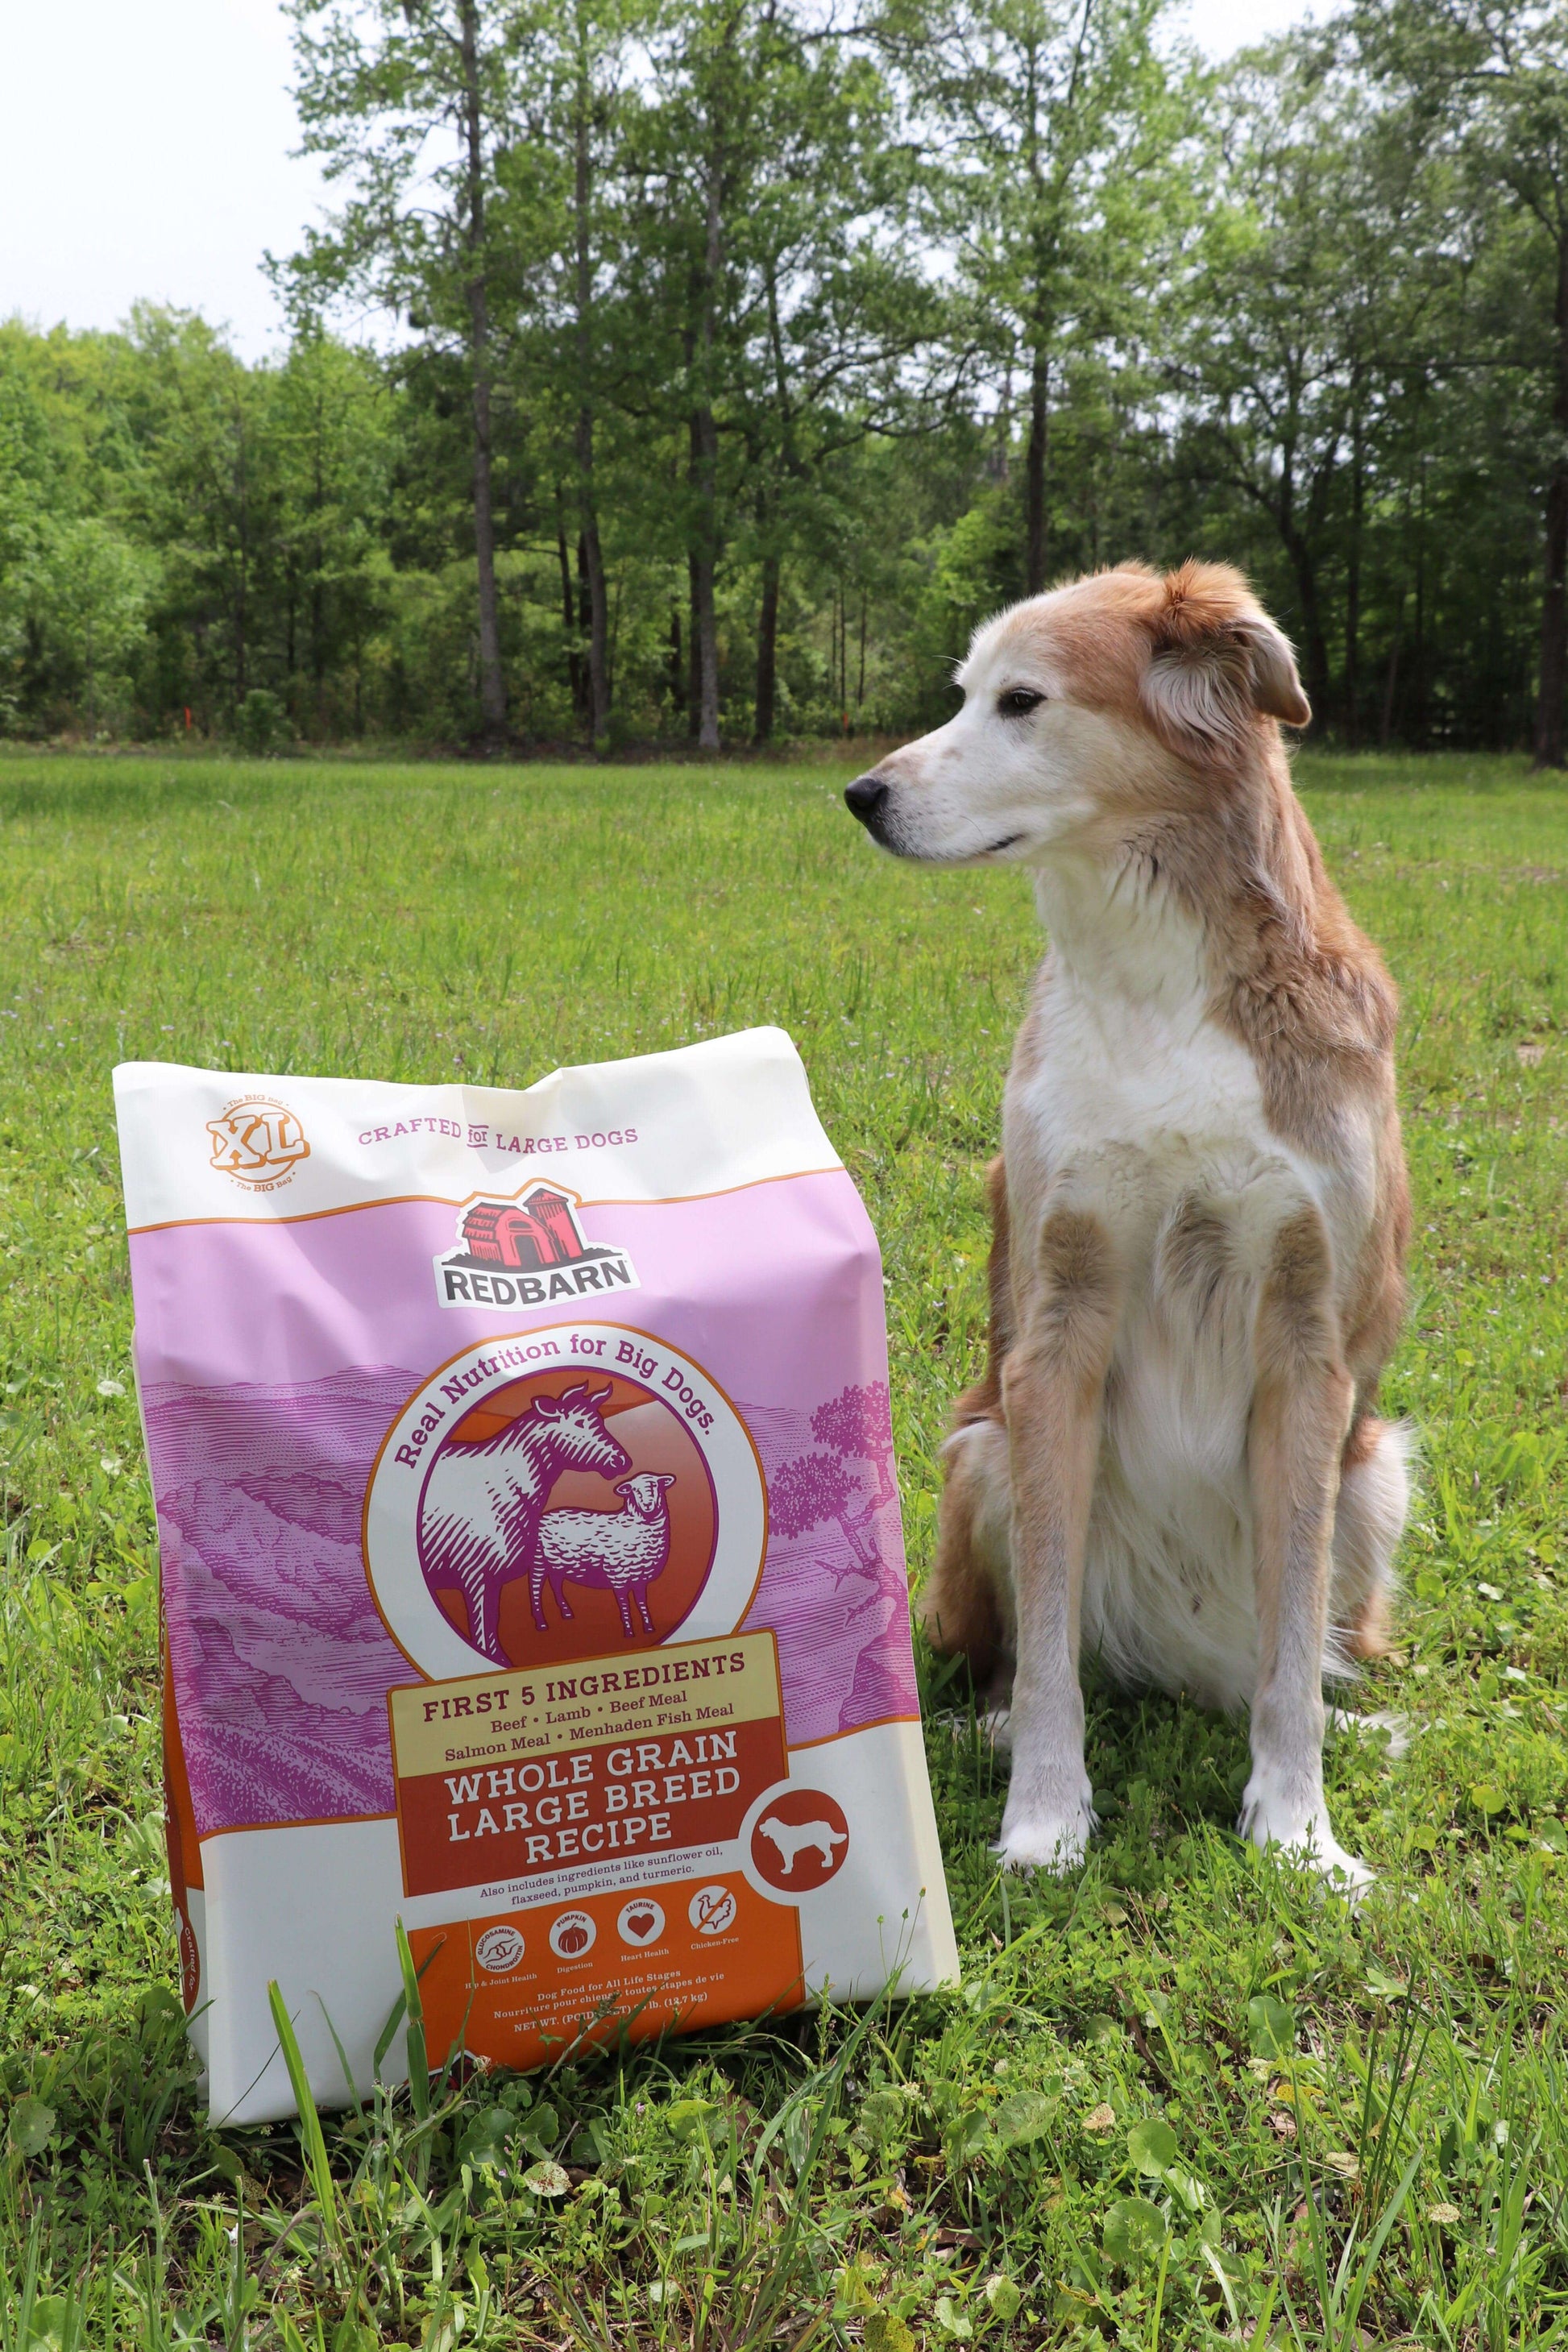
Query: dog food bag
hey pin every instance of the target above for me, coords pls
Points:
(532, 1562)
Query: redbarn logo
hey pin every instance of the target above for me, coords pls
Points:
(526, 1253)
(258, 1142)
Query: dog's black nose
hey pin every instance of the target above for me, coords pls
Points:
(866, 798)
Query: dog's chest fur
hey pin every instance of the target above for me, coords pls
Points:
(1128, 1099)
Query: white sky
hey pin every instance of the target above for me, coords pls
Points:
(144, 152)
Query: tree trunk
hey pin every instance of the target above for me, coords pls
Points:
(1554, 600)
(586, 627)
(1553, 625)
(492, 683)
(318, 574)
(592, 555)
(1035, 532)
(1314, 644)
(569, 616)
(1417, 695)
(767, 650)
(242, 567)
(705, 614)
(1385, 725)
(693, 651)
(1352, 591)
(675, 664)
(705, 473)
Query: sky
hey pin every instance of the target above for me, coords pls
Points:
(145, 152)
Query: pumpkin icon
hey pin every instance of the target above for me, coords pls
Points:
(573, 1935)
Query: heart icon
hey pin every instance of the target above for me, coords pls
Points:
(641, 1923)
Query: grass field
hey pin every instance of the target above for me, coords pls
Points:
(1179, 2097)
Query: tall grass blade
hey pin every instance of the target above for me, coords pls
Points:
(313, 2140)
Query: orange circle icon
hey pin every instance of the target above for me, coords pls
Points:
(799, 1840)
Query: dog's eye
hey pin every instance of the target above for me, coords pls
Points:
(1017, 702)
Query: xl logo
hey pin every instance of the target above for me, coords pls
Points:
(258, 1142)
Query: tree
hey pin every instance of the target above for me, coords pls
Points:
(378, 86)
(26, 489)
(773, 255)
(332, 447)
(1309, 298)
(695, 150)
(86, 590)
(594, 59)
(1056, 120)
(565, 221)
(813, 1488)
(840, 334)
(856, 1424)
(1492, 77)
(206, 494)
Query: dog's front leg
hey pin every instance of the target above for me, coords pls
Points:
(1300, 1414)
(1053, 1390)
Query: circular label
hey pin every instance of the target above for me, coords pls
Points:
(562, 1493)
(711, 1909)
(572, 1935)
(640, 1921)
(257, 1141)
(799, 1840)
(499, 1949)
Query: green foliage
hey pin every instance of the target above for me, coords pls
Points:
(743, 361)
(261, 724)
(1181, 2096)
(85, 591)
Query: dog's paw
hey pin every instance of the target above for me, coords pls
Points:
(996, 1725)
(1054, 1842)
(1312, 1843)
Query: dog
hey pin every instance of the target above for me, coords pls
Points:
(792, 1841)
(1200, 1216)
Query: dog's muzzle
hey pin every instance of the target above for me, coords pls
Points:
(867, 798)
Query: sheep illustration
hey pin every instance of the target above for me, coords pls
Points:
(616, 1552)
(792, 1838)
(483, 1501)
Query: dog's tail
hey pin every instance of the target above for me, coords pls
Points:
(1386, 1724)
(1376, 1480)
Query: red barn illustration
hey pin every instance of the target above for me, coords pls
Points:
(523, 1235)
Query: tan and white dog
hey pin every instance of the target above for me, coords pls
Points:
(1200, 1214)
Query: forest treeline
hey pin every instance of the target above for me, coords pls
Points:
(707, 370)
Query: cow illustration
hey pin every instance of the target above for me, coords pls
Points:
(792, 1838)
(483, 1500)
(616, 1551)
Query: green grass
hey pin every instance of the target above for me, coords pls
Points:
(1179, 2095)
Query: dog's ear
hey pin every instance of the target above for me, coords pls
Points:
(1217, 662)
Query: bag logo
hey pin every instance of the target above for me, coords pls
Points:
(527, 1252)
(258, 1142)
